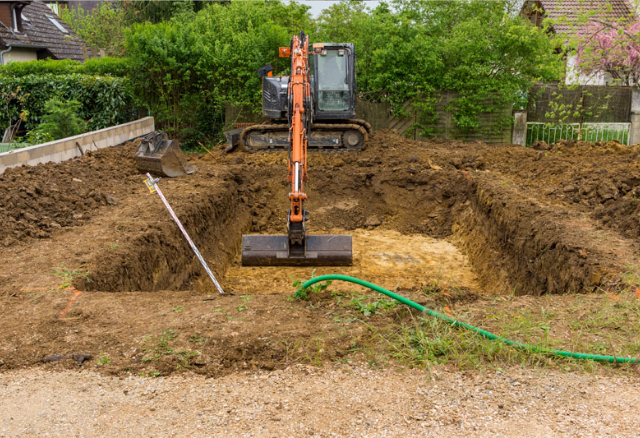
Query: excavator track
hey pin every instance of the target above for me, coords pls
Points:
(325, 137)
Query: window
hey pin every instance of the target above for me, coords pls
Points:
(16, 25)
(57, 24)
(333, 89)
(53, 7)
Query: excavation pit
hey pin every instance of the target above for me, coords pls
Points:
(418, 213)
(467, 219)
(384, 257)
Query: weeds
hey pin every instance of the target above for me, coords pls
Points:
(303, 294)
(198, 339)
(362, 303)
(245, 303)
(367, 307)
(68, 276)
(158, 347)
(177, 309)
(103, 359)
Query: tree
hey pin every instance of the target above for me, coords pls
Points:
(482, 49)
(156, 11)
(61, 121)
(612, 48)
(102, 28)
(189, 68)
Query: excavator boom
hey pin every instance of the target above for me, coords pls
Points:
(296, 248)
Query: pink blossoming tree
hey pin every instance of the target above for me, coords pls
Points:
(613, 48)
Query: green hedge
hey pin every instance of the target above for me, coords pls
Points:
(99, 66)
(106, 100)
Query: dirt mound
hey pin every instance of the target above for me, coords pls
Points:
(38, 200)
(601, 179)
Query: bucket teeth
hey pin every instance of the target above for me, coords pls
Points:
(161, 156)
(321, 250)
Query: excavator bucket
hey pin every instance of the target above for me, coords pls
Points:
(321, 250)
(161, 156)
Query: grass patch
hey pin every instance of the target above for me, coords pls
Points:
(367, 305)
(158, 346)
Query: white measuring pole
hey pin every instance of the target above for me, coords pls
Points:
(152, 185)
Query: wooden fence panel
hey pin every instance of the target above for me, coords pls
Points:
(602, 104)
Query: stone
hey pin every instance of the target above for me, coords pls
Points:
(373, 221)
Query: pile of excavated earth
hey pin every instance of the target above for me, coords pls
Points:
(478, 221)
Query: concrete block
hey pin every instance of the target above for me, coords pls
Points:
(634, 129)
(519, 134)
(67, 148)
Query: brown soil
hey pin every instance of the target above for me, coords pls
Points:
(39, 200)
(483, 219)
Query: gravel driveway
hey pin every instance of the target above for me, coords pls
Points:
(338, 400)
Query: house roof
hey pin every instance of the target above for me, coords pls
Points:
(572, 9)
(42, 33)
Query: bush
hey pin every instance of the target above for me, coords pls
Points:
(99, 66)
(107, 66)
(60, 121)
(105, 100)
(482, 49)
(189, 68)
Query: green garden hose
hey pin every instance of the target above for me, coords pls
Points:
(486, 334)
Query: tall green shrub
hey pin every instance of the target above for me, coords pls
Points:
(105, 100)
(60, 121)
(481, 49)
(190, 67)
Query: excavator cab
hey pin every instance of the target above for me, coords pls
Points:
(334, 82)
(333, 93)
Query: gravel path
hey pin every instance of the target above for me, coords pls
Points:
(338, 400)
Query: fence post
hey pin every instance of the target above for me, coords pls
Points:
(634, 128)
(519, 133)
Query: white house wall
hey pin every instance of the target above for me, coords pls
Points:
(575, 78)
(20, 55)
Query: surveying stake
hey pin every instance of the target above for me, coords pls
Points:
(152, 185)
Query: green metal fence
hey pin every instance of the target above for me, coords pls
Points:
(590, 132)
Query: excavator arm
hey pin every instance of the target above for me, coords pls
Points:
(297, 248)
(299, 122)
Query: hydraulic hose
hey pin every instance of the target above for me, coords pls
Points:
(483, 333)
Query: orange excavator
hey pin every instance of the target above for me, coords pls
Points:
(296, 248)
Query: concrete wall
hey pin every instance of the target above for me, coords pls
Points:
(519, 133)
(634, 129)
(71, 147)
(20, 55)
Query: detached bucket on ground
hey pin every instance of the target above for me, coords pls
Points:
(162, 157)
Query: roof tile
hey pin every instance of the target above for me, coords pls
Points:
(41, 32)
